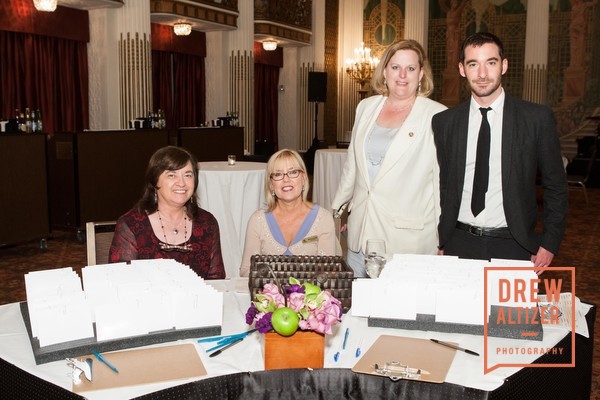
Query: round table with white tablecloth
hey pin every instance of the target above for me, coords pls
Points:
(231, 193)
(238, 371)
(329, 165)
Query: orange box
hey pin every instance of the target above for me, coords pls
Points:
(301, 350)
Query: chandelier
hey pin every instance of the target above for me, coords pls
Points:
(182, 29)
(269, 45)
(361, 67)
(45, 5)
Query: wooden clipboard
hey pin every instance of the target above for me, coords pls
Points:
(415, 353)
(143, 366)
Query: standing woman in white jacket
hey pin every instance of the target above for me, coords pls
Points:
(391, 176)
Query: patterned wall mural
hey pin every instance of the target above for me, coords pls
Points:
(451, 20)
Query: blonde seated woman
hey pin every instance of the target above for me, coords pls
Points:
(289, 225)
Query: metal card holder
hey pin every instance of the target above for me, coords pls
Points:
(396, 371)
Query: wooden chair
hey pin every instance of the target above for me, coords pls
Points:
(99, 237)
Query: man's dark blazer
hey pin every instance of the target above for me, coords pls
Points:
(529, 144)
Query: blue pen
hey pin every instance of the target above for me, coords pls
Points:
(358, 351)
(226, 338)
(220, 345)
(104, 361)
(336, 356)
(345, 338)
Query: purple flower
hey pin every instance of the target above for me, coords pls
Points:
(318, 313)
(293, 289)
(264, 324)
(251, 314)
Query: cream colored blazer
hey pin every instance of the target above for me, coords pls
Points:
(402, 205)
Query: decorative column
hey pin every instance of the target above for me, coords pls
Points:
(135, 60)
(574, 81)
(451, 78)
(350, 22)
(535, 77)
(241, 71)
(416, 21)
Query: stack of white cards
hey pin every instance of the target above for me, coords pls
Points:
(449, 288)
(58, 311)
(123, 300)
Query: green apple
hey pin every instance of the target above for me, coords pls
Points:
(285, 321)
(309, 289)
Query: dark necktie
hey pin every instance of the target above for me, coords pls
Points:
(482, 165)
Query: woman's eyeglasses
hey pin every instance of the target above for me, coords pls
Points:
(277, 176)
(181, 248)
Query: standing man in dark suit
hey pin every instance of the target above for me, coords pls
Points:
(490, 150)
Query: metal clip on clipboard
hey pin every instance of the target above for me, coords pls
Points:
(396, 371)
(80, 367)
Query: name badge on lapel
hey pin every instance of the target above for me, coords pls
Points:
(310, 239)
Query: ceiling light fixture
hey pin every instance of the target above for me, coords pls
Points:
(269, 45)
(45, 5)
(182, 29)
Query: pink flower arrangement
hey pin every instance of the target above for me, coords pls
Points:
(317, 309)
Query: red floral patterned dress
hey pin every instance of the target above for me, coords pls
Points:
(135, 240)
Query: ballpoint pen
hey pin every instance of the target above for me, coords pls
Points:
(104, 361)
(358, 350)
(225, 338)
(453, 346)
(336, 356)
(224, 343)
(345, 338)
(216, 353)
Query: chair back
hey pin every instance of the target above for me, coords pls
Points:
(99, 237)
(590, 166)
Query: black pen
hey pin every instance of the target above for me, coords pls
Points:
(216, 353)
(453, 346)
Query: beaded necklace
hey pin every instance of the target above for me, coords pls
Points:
(166, 246)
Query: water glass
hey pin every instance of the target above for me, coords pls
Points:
(376, 246)
(231, 159)
(375, 257)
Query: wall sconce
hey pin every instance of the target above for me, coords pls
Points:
(45, 5)
(182, 29)
(269, 45)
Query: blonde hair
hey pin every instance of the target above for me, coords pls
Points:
(378, 81)
(282, 156)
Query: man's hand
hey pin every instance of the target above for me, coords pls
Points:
(543, 258)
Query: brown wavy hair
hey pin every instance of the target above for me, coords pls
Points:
(167, 158)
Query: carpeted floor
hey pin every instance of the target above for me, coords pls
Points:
(580, 248)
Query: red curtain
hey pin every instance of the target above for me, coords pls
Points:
(266, 99)
(162, 94)
(189, 100)
(179, 88)
(47, 73)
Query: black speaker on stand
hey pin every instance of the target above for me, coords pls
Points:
(317, 93)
